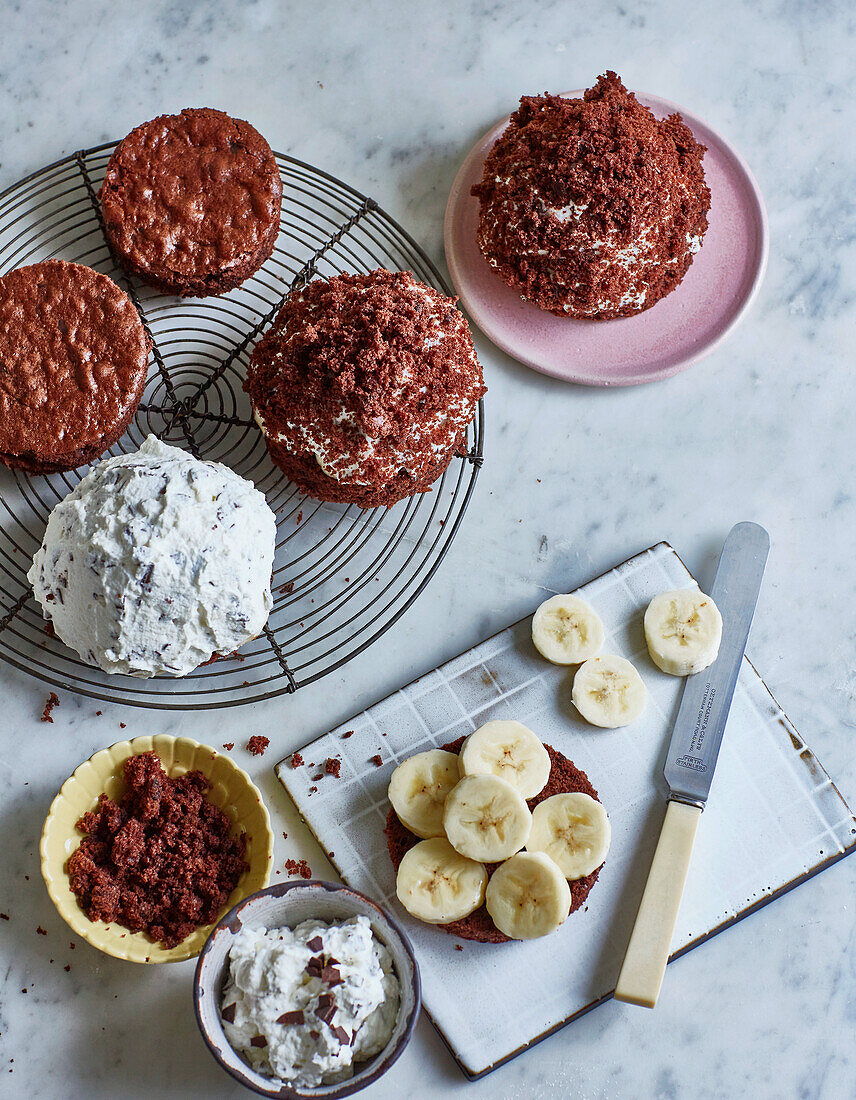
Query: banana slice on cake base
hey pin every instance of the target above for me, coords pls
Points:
(528, 896)
(418, 788)
(573, 830)
(511, 751)
(486, 819)
(683, 630)
(437, 885)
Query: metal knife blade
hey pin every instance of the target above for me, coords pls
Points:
(700, 724)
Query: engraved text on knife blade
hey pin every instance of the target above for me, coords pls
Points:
(690, 759)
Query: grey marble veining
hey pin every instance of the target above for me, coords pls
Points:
(390, 96)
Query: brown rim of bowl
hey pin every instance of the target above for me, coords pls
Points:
(387, 1058)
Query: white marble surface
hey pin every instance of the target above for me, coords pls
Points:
(390, 96)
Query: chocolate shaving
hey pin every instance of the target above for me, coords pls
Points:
(331, 976)
(325, 1013)
(258, 1041)
(315, 966)
(295, 1017)
(228, 1013)
(315, 944)
(341, 1035)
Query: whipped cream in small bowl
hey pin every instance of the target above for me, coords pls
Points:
(307, 989)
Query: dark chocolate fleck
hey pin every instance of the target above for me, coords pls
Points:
(295, 1017)
(315, 966)
(326, 1013)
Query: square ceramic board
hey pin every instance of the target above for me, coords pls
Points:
(774, 817)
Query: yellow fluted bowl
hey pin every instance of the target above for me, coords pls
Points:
(231, 789)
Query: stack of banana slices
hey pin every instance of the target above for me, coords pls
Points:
(683, 629)
(471, 810)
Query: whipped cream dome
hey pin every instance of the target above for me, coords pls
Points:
(325, 1027)
(155, 562)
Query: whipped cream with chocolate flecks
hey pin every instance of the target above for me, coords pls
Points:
(155, 562)
(304, 1004)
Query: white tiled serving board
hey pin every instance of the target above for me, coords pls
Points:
(774, 817)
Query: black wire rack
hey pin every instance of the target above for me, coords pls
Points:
(341, 576)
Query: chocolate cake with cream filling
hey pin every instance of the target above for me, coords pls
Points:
(565, 777)
(364, 387)
(592, 207)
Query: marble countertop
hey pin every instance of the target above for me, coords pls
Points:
(390, 96)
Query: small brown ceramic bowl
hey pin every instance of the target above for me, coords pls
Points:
(287, 904)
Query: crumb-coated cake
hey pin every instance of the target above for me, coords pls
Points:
(73, 361)
(191, 202)
(565, 778)
(592, 208)
(156, 561)
(364, 387)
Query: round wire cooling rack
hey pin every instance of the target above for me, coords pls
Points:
(341, 576)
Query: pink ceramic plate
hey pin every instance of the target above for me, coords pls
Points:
(675, 333)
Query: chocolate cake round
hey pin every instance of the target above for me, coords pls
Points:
(565, 778)
(364, 387)
(74, 355)
(592, 208)
(191, 202)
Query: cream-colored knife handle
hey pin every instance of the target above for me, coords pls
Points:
(648, 951)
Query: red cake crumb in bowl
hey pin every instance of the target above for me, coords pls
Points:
(161, 860)
(364, 386)
(592, 208)
(175, 833)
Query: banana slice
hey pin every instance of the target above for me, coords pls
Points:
(608, 692)
(486, 819)
(566, 630)
(438, 885)
(683, 630)
(418, 789)
(528, 896)
(573, 830)
(509, 750)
